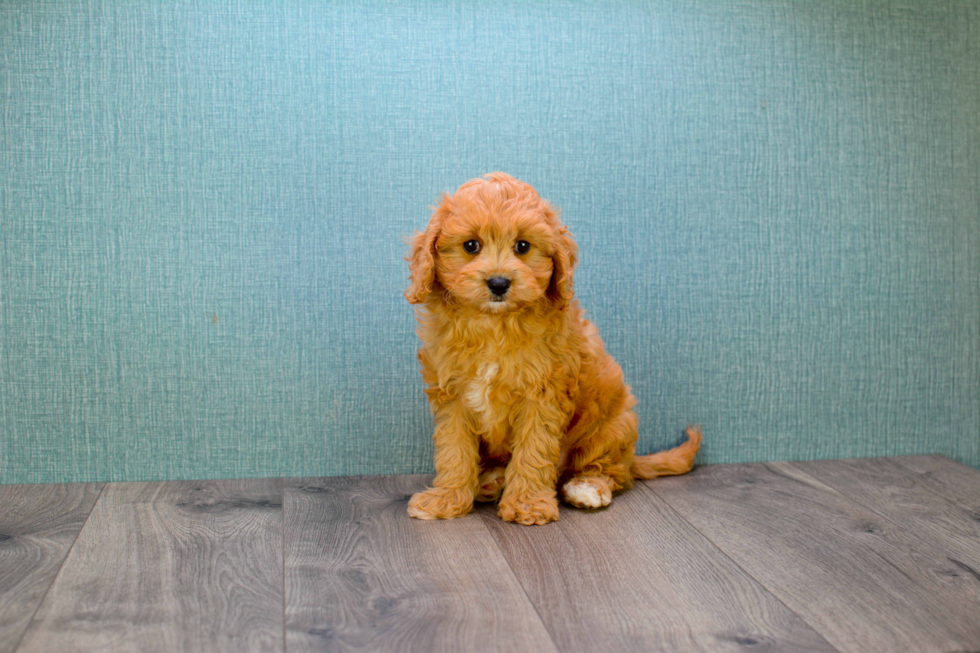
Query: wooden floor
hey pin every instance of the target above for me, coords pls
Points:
(857, 555)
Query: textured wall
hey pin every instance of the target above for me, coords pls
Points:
(778, 205)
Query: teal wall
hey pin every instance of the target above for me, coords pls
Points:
(203, 206)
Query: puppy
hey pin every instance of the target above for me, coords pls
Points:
(524, 395)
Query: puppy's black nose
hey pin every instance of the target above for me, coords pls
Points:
(498, 285)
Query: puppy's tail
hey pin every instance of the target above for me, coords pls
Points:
(678, 460)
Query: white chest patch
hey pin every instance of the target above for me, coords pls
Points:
(478, 392)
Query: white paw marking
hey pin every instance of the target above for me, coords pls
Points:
(584, 494)
(418, 513)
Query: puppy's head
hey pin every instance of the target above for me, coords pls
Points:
(495, 246)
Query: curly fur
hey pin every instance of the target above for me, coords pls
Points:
(524, 395)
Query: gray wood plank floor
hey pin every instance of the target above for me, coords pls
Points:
(170, 567)
(636, 576)
(861, 580)
(38, 524)
(851, 555)
(452, 589)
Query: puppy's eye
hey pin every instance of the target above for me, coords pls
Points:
(522, 247)
(472, 246)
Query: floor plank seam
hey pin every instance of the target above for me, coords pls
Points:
(517, 578)
(846, 497)
(775, 596)
(61, 566)
(939, 493)
(867, 506)
(870, 507)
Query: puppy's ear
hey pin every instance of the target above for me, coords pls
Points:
(565, 258)
(422, 258)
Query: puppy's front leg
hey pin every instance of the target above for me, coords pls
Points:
(457, 468)
(529, 481)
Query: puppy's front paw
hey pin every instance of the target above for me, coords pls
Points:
(529, 509)
(440, 503)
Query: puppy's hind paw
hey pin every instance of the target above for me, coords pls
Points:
(587, 492)
(491, 485)
(440, 503)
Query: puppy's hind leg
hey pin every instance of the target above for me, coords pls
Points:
(600, 465)
(491, 485)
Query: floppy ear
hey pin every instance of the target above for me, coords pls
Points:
(422, 258)
(560, 289)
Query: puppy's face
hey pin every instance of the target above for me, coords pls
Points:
(495, 257)
(494, 246)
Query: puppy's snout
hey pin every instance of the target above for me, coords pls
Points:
(498, 285)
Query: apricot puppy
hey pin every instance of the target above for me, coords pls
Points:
(524, 395)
